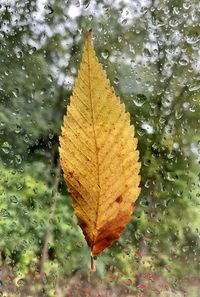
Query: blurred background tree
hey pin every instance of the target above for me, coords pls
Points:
(150, 50)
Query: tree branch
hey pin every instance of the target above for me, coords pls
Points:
(44, 254)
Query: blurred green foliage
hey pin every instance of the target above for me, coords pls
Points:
(151, 54)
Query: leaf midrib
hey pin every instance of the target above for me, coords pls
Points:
(94, 133)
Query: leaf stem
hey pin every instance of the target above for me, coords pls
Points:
(92, 267)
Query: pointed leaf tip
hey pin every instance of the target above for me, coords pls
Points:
(89, 35)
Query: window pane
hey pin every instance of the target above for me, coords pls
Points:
(150, 52)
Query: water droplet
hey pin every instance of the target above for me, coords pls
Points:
(18, 129)
(116, 81)
(79, 244)
(32, 50)
(186, 5)
(186, 105)
(86, 3)
(50, 77)
(4, 213)
(169, 177)
(18, 159)
(183, 62)
(193, 87)
(13, 199)
(192, 39)
(51, 135)
(19, 186)
(170, 156)
(105, 54)
(14, 93)
(138, 80)
(139, 101)
(101, 27)
(124, 21)
(49, 9)
(185, 249)
(173, 23)
(77, 3)
(6, 147)
(19, 54)
(26, 138)
(131, 49)
(192, 108)
(143, 10)
(138, 235)
(178, 114)
(90, 17)
(21, 282)
(147, 52)
(119, 39)
(147, 184)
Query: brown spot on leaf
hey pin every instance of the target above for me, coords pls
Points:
(82, 224)
(110, 232)
(119, 199)
(133, 205)
(84, 227)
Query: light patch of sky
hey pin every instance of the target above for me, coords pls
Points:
(69, 81)
(132, 9)
(62, 78)
(196, 65)
(195, 151)
(74, 11)
(60, 29)
(8, 2)
(67, 42)
(39, 14)
(129, 3)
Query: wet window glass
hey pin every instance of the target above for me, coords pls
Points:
(150, 51)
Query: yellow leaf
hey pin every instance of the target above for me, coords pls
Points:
(98, 155)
